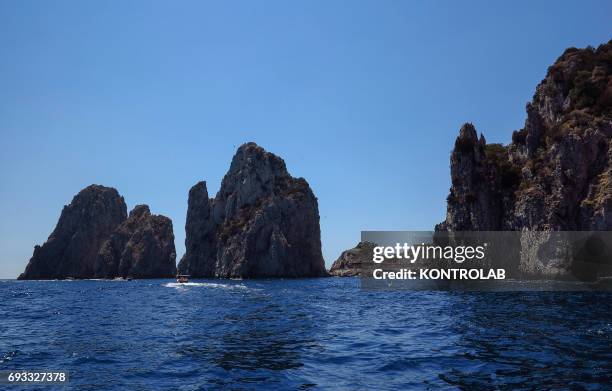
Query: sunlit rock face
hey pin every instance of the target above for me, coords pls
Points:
(557, 173)
(262, 223)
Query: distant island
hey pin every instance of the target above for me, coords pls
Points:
(556, 175)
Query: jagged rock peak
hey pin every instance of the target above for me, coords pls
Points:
(482, 140)
(253, 173)
(84, 224)
(468, 133)
(250, 155)
(262, 222)
(468, 141)
(140, 211)
(575, 91)
(141, 247)
(199, 188)
(253, 165)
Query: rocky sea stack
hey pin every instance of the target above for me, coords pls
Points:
(94, 239)
(84, 225)
(262, 223)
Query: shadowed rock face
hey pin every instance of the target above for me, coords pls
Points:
(262, 223)
(72, 247)
(141, 247)
(476, 184)
(201, 239)
(350, 262)
(557, 172)
(93, 239)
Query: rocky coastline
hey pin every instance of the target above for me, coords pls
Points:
(350, 262)
(555, 175)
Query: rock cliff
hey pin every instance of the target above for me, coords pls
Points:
(557, 172)
(140, 247)
(262, 223)
(95, 239)
(350, 262)
(84, 224)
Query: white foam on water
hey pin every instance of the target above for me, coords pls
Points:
(183, 285)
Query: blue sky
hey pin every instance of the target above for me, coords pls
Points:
(362, 98)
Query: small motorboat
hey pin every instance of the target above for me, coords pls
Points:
(182, 278)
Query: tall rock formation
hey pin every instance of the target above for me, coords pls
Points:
(72, 247)
(479, 192)
(140, 247)
(556, 175)
(200, 256)
(557, 172)
(95, 239)
(262, 223)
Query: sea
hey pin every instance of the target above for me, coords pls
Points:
(301, 334)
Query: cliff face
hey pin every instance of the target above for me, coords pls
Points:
(556, 174)
(350, 262)
(94, 239)
(140, 247)
(262, 223)
(72, 247)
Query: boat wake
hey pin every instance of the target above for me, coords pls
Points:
(184, 285)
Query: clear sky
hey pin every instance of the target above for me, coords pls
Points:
(362, 98)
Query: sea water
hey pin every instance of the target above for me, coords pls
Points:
(301, 334)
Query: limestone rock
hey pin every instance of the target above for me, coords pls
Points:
(350, 262)
(557, 172)
(84, 225)
(201, 239)
(141, 247)
(476, 197)
(262, 223)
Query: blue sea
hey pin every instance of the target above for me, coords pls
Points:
(302, 334)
